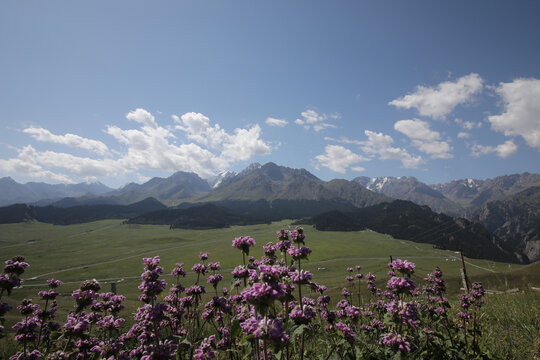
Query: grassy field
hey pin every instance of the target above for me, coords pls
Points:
(110, 251)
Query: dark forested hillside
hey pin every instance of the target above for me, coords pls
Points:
(76, 214)
(406, 220)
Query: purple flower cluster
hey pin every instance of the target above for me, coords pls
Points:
(243, 243)
(400, 284)
(297, 235)
(262, 294)
(199, 269)
(266, 329)
(13, 269)
(299, 253)
(301, 276)
(347, 331)
(303, 314)
(151, 286)
(402, 266)
(179, 270)
(206, 350)
(396, 341)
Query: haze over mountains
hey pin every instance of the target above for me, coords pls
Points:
(11, 192)
(508, 206)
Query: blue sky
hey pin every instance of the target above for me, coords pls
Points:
(126, 90)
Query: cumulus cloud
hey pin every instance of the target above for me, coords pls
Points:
(276, 122)
(142, 117)
(437, 102)
(467, 125)
(380, 145)
(198, 128)
(244, 144)
(22, 166)
(338, 158)
(312, 119)
(70, 140)
(416, 129)
(358, 168)
(521, 114)
(504, 150)
(149, 147)
(463, 135)
(425, 139)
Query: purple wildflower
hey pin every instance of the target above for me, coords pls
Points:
(347, 331)
(243, 243)
(396, 341)
(299, 253)
(402, 266)
(179, 270)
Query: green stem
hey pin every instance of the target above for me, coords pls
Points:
(41, 326)
(244, 261)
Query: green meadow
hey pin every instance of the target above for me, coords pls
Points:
(111, 251)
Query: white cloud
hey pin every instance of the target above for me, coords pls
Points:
(504, 150)
(70, 140)
(463, 135)
(435, 149)
(21, 166)
(142, 117)
(379, 144)
(75, 165)
(338, 158)
(437, 102)
(358, 168)
(467, 125)
(150, 147)
(276, 122)
(198, 128)
(310, 118)
(322, 126)
(416, 129)
(425, 139)
(244, 144)
(521, 114)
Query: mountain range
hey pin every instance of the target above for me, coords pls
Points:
(508, 206)
(11, 192)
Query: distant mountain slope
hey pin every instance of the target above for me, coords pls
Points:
(409, 188)
(475, 193)
(516, 220)
(179, 186)
(355, 193)
(408, 221)
(11, 192)
(271, 182)
(76, 214)
(221, 178)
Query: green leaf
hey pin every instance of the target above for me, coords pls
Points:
(235, 328)
(299, 330)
